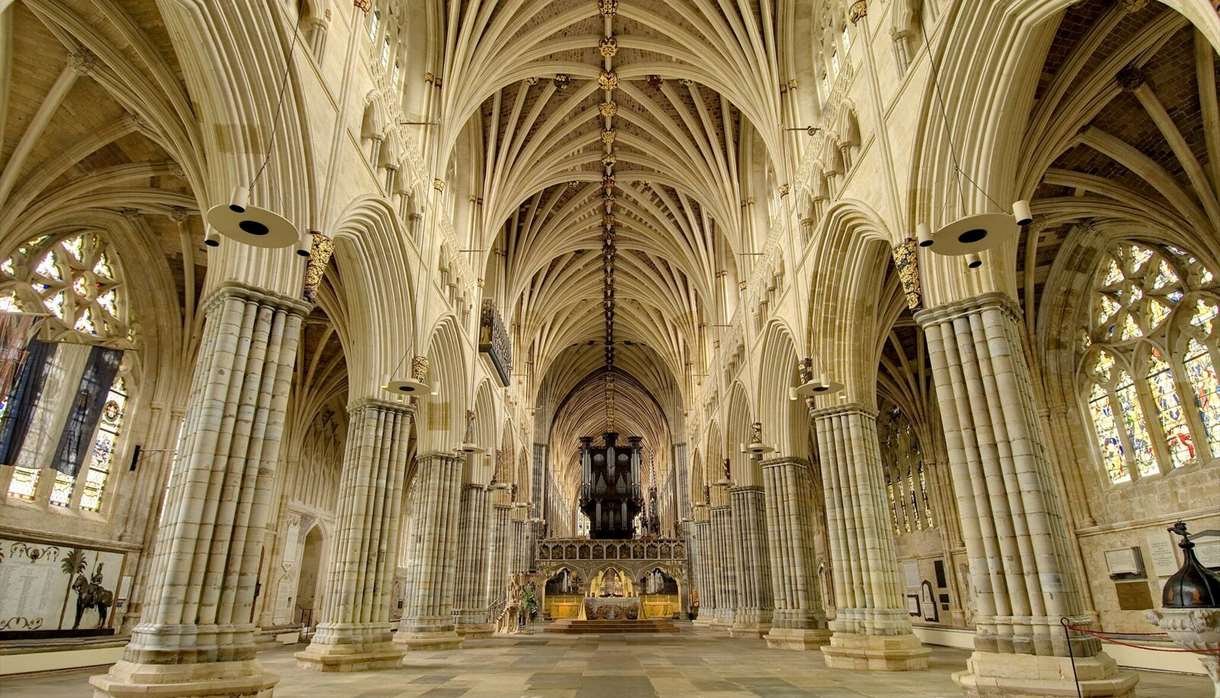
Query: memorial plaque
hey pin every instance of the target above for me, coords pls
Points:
(1208, 552)
(56, 590)
(1133, 596)
(1162, 558)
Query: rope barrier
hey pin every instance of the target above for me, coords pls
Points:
(1111, 638)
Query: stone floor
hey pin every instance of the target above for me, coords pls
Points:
(691, 663)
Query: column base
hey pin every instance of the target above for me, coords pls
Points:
(703, 621)
(796, 638)
(875, 652)
(751, 625)
(1030, 676)
(475, 630)
(430, 640)
(723, 620)
(240, 678)
(350, 657)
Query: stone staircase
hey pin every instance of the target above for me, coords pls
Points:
(581, 627)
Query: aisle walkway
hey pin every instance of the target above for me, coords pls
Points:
(691, 663)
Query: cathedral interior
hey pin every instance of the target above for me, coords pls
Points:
(609, 348)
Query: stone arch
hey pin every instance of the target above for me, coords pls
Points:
(481, 470)
(738, 418)
(785, 421)
(443, 413)
(377, 289)
(843, 332)
(988, 112)
(310, 582)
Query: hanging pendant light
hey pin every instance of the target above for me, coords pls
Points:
(254, 225)
(971, 234)
(251, 225)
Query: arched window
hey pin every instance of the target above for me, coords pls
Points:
(1149, 369)
(374, 24)
(74, 282)
(906, 481)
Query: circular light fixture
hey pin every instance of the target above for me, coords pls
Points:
(973, 261)
(974, 233)
(723, 482)
(468, 447)
(757, 448)
(254, 226)
(816, 387)
(407, 387)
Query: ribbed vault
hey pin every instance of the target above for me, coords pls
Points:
(646, 126)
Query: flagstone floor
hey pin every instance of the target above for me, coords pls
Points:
(690, 663)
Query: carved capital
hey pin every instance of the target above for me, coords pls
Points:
(857, 11)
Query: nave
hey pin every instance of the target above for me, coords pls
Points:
(864, 345)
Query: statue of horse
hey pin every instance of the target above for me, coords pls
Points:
(91, 595)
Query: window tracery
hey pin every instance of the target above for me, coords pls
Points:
(1150, 386)
(906, 482)
(73, 280)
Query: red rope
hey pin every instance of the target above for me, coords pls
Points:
(1109, 637)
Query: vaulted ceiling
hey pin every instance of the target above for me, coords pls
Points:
(642, 122)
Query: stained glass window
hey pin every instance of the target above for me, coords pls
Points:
(1109, 441)
(61, 491)
(1169, 409)
(24, 483)
(1205, 389)
(102, 455)
(374, 23)
(75, 280)
(1149, 336)
(1137, 428)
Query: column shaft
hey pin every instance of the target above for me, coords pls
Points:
(354, 632)
(755, 600)
(724, 565)
(871, 627)
(497, 573)
(427, 621)
(472, 598)
(701, 553)
(196, 628)
(1016, 535)
(799, 621)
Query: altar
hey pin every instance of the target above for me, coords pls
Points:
(612, 608)
(623, 580)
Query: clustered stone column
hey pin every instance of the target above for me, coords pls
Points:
(500, 554)
(354, 632)
(471, 611)
(520, 537)
(724, 561)
(701, 555)
(427, 621)
(195, 635)
(871, 629)
(754, 598)
(1015, 532)
(799, 622)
